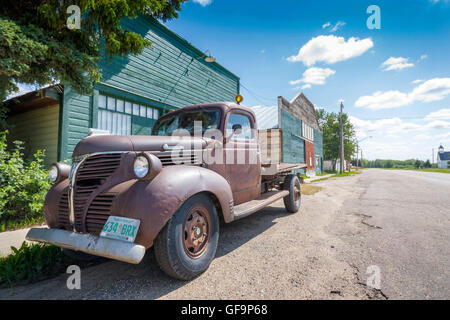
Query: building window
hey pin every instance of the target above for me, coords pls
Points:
(307, 132)
(115, 115)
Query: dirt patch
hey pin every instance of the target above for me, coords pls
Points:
(308, 189)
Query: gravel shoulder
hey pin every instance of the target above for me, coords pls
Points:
(269, 255)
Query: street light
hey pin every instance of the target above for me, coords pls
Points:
(208, 57)
(357, 148)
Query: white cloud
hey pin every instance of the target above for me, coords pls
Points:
(417, 81)
(383, 100)
(203, 3)
(423, 57)
(394, 138)
(431, 90)
(337, 26)
(314, 76)
(443, 114)
(331, 49)
(396, 64)
(306, 86)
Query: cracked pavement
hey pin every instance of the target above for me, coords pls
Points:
(398, 221)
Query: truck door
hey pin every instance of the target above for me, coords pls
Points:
(241, 156)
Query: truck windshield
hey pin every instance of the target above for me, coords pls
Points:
(187, 121)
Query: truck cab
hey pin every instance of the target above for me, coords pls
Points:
(125, 194)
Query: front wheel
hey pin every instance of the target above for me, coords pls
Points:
(187, 244)
(293, 199)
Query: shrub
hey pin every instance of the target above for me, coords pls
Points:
(23, 186)
(31, 262)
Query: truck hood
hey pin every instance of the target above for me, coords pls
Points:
(111, 143)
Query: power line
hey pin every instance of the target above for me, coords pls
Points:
(257, 96)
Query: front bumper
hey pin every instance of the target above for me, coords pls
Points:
(88, 243)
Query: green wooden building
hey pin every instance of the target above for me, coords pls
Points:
(133, 92)
(302, 136)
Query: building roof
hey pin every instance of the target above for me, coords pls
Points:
(266, 117)
(444, 155)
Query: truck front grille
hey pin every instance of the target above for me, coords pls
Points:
(98, 167)
(99, 212)
(171, 159)
(91, 174)
(63, 211)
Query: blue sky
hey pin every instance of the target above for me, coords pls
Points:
(394, 81)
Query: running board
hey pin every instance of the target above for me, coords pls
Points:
(245, 209)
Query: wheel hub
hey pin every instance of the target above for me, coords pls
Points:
(196, 232)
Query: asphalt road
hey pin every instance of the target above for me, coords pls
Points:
(397, 221)
(407, 217)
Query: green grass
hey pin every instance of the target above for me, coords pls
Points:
(20, 224)
(424, 169)
(345, 174)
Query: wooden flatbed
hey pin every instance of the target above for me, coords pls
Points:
(271, 147)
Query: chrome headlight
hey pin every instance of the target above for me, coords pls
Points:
(53, 173)
(58, 172)
(141, 167)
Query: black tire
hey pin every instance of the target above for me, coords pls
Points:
(171, 251)
(292, 201)
(79, 255)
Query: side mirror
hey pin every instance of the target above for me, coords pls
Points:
(237, 129)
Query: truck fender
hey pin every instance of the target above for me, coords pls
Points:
(154, 202)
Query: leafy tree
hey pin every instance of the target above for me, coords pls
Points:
(427, 164)
(37, 47)
(418, 164)
(329, 121)
(388, 164)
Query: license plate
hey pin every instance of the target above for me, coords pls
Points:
(120, 228)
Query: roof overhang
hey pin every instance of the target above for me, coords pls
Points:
(34, 99)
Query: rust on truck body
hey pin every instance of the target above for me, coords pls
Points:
(102, 182)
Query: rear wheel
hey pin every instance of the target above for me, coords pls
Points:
(187, 244)
(293, 200)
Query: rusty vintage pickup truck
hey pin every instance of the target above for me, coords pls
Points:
(125, 194)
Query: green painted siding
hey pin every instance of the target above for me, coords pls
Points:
(76, 121)
(169, 74)
(38, 128)
(293, 145)
(171, 71)
(318, 148)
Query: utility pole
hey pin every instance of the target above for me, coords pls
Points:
(432, 156)
(357, 153)
(342, 140)
(362, 161)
